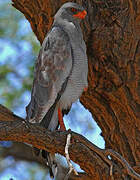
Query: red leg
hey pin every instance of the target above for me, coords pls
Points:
(60, 119)
(85, 89)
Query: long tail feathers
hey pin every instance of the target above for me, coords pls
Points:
(51, 162)
(50, 122)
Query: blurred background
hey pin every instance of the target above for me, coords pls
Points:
(18, 51)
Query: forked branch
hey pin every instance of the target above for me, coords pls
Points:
(90, 158)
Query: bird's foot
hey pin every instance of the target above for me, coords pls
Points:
(62, 128)
(85, 89)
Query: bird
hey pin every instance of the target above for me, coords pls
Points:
(61, 70)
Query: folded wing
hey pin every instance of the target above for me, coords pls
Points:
(53, 66)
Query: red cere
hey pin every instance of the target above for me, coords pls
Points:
(80, 15)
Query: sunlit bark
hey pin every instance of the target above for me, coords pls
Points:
(112, 32)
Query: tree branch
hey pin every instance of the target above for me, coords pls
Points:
(20, 152)
(91, 159)
(111, 31)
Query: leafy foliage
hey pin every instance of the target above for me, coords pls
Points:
(18, 50)
(18, 47)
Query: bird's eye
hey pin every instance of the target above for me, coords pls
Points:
(74, 10)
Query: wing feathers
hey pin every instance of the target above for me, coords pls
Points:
(52, 68)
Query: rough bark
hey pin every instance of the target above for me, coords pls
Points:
(21, 152)
(93, 160)
(112, 32)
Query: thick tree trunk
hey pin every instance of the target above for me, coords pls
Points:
(112, 33)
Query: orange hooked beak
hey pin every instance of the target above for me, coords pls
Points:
(81, 14)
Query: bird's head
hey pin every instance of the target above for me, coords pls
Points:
(71, 12)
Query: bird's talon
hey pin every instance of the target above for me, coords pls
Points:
(85, 89)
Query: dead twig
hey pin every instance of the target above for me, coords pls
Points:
(13, 128)
(126, 165)
(71, 168)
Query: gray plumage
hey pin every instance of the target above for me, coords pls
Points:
(61, 69)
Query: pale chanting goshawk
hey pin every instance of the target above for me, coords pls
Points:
(61, 69)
